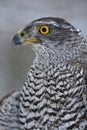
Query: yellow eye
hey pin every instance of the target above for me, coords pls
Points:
(44, 30)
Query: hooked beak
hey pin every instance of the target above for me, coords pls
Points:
(19, 40)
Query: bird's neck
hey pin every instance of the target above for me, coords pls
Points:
(46, 57)
(58, 55)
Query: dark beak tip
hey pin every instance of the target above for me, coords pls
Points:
(16, 40)
(13, 42)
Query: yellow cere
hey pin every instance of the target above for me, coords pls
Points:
(44, 30)
(29, 41)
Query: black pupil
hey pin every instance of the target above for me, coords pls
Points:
(44, 29)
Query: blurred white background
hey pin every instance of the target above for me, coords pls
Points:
(14, 14)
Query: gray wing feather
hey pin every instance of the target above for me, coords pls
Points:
(84, 64)
(9, 111)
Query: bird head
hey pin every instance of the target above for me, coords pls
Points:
(46, 32)
(50, 33)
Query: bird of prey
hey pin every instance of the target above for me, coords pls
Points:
(53, 96)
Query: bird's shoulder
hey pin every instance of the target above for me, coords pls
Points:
(9, 110)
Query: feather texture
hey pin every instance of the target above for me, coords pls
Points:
(9, 111)
(53, 96)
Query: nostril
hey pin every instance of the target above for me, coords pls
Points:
(22, 34)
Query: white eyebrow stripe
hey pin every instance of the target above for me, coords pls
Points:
(50, 22)
(66, 26)
(58, 25)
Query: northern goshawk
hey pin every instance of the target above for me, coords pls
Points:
(53, 96)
